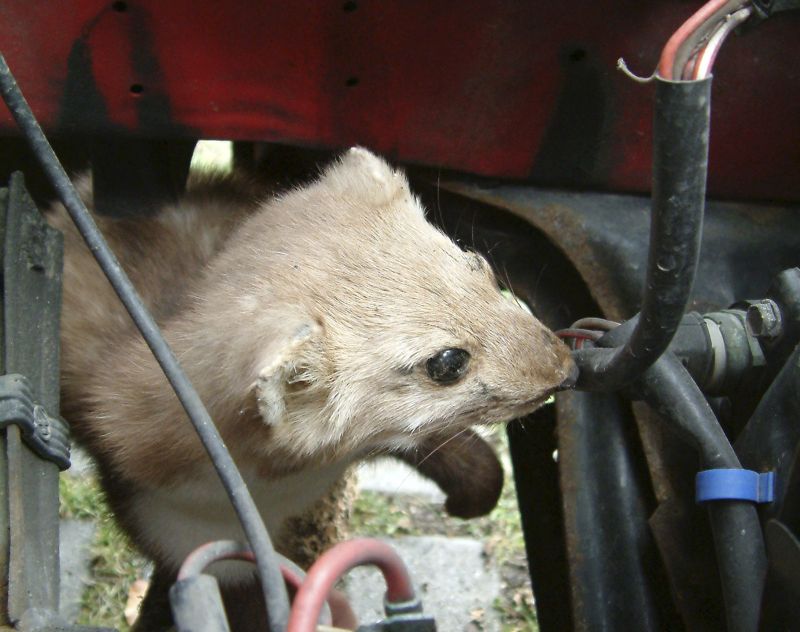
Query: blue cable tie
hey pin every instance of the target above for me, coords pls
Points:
(735, 484)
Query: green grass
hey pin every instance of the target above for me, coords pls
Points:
(380, 515)
(115, 565)
(215, 155)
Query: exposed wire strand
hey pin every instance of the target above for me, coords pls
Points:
(622, 66)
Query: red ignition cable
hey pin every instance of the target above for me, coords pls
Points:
(579, 335)
(330, 567)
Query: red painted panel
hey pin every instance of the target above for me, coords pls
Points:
(524, 90)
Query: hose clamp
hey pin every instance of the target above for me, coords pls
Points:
(735, 484)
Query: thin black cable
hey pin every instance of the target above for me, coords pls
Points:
(271, 580)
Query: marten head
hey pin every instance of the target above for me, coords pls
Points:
(387, 331)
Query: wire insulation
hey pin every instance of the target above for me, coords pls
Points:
(334, 563)
(203, 556)
(685, 41)
(708, 55)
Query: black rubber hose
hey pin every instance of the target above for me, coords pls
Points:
(680, 164)
(669, 388)
(252, 524)
(738, 539)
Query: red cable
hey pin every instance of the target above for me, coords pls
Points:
(327, 570)
(579, 335)
(665, 64)
(576, 335)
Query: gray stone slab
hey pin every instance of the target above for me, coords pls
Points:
(395, 478)
(456, 582)
(75, 542)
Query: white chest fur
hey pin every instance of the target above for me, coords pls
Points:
(179, 518)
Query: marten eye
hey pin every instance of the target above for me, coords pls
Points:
(448, 365)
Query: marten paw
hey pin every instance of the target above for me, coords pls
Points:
(466, 469)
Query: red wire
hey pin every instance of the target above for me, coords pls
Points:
(574, 335)
(327, 570)
(289, 576)
(667, 61)
(208, 553)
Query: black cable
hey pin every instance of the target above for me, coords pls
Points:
(680, 163)
(269, 571)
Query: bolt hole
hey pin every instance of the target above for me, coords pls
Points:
(137, 89)
(351, 82)
(119, 6)
(577, 55)
(349, 7)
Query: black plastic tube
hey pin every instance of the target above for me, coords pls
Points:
(680, 164)
(272, 583)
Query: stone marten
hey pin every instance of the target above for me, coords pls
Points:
(320, 326)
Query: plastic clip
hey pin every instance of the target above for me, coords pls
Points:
(735, 484)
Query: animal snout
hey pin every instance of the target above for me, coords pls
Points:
(571, 379)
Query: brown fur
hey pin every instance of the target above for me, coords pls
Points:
(305, 321)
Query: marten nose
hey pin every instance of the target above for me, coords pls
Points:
(571, 381)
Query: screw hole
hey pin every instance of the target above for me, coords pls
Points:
(137, 89)
(349, 7)
(577, 55)
(119, 6)
(351, 82)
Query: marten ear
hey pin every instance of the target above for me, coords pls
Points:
(360, 173)
(285, 363)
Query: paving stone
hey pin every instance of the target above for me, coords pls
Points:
(456, 583)
(393, 477)
(75, 541)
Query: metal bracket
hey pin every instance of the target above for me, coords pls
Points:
(735, 484)
(766, 8)
(402, 623)
(403, 616)
(46, 435)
